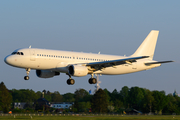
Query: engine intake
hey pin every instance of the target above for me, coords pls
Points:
(78, 71)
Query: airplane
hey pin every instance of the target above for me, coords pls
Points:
(50, 63)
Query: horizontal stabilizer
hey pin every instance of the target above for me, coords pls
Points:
(158, 62)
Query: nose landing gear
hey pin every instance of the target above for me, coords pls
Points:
(27, 72)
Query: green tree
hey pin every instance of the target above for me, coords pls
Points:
(47, 95)
(5, 99)
(99, 102)
(119, 107)
(136, 97)
(160, 101)
(80, 96)
(24, 95)
(172, 105)
(56, 97)
(147, 102)
(114, 95)
(39, 94)
(68, 97)
(84, 106)
(108, 94)
(124, 94)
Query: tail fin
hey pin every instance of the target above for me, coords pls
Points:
(147, 48)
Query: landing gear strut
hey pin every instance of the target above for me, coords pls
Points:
(70, 81)
(92, 80)
(27, 72)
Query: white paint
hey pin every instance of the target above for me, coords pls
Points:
(59, 61)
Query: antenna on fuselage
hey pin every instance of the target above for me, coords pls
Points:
(30, 46)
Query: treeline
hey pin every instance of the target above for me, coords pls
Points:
(102, 101)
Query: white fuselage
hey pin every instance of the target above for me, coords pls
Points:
(56, 60)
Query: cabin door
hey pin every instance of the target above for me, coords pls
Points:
(32, 55)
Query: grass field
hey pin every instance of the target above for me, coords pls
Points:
(91, 117)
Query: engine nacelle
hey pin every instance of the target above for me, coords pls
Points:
(46, 73)
(78, 71)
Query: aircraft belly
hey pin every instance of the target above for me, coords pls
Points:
(126, 68)
(118, 70)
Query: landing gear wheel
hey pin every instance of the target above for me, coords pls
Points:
(26, 77)
(70, 81)
(27, 72)
(92, 81)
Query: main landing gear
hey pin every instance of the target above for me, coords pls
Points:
(27, 72)
(70, 81)
(92, 80)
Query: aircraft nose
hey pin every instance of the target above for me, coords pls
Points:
(7, 60)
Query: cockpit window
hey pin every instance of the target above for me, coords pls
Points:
(13, 53)
(17, 53)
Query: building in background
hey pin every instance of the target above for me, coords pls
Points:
(62, 105)
(19, 105)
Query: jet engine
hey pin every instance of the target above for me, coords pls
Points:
(46, 73)
(78, 70)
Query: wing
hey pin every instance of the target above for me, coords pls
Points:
(104, 64)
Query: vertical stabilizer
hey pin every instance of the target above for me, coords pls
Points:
(147, 47)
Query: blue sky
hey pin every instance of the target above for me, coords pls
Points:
(113, 27)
